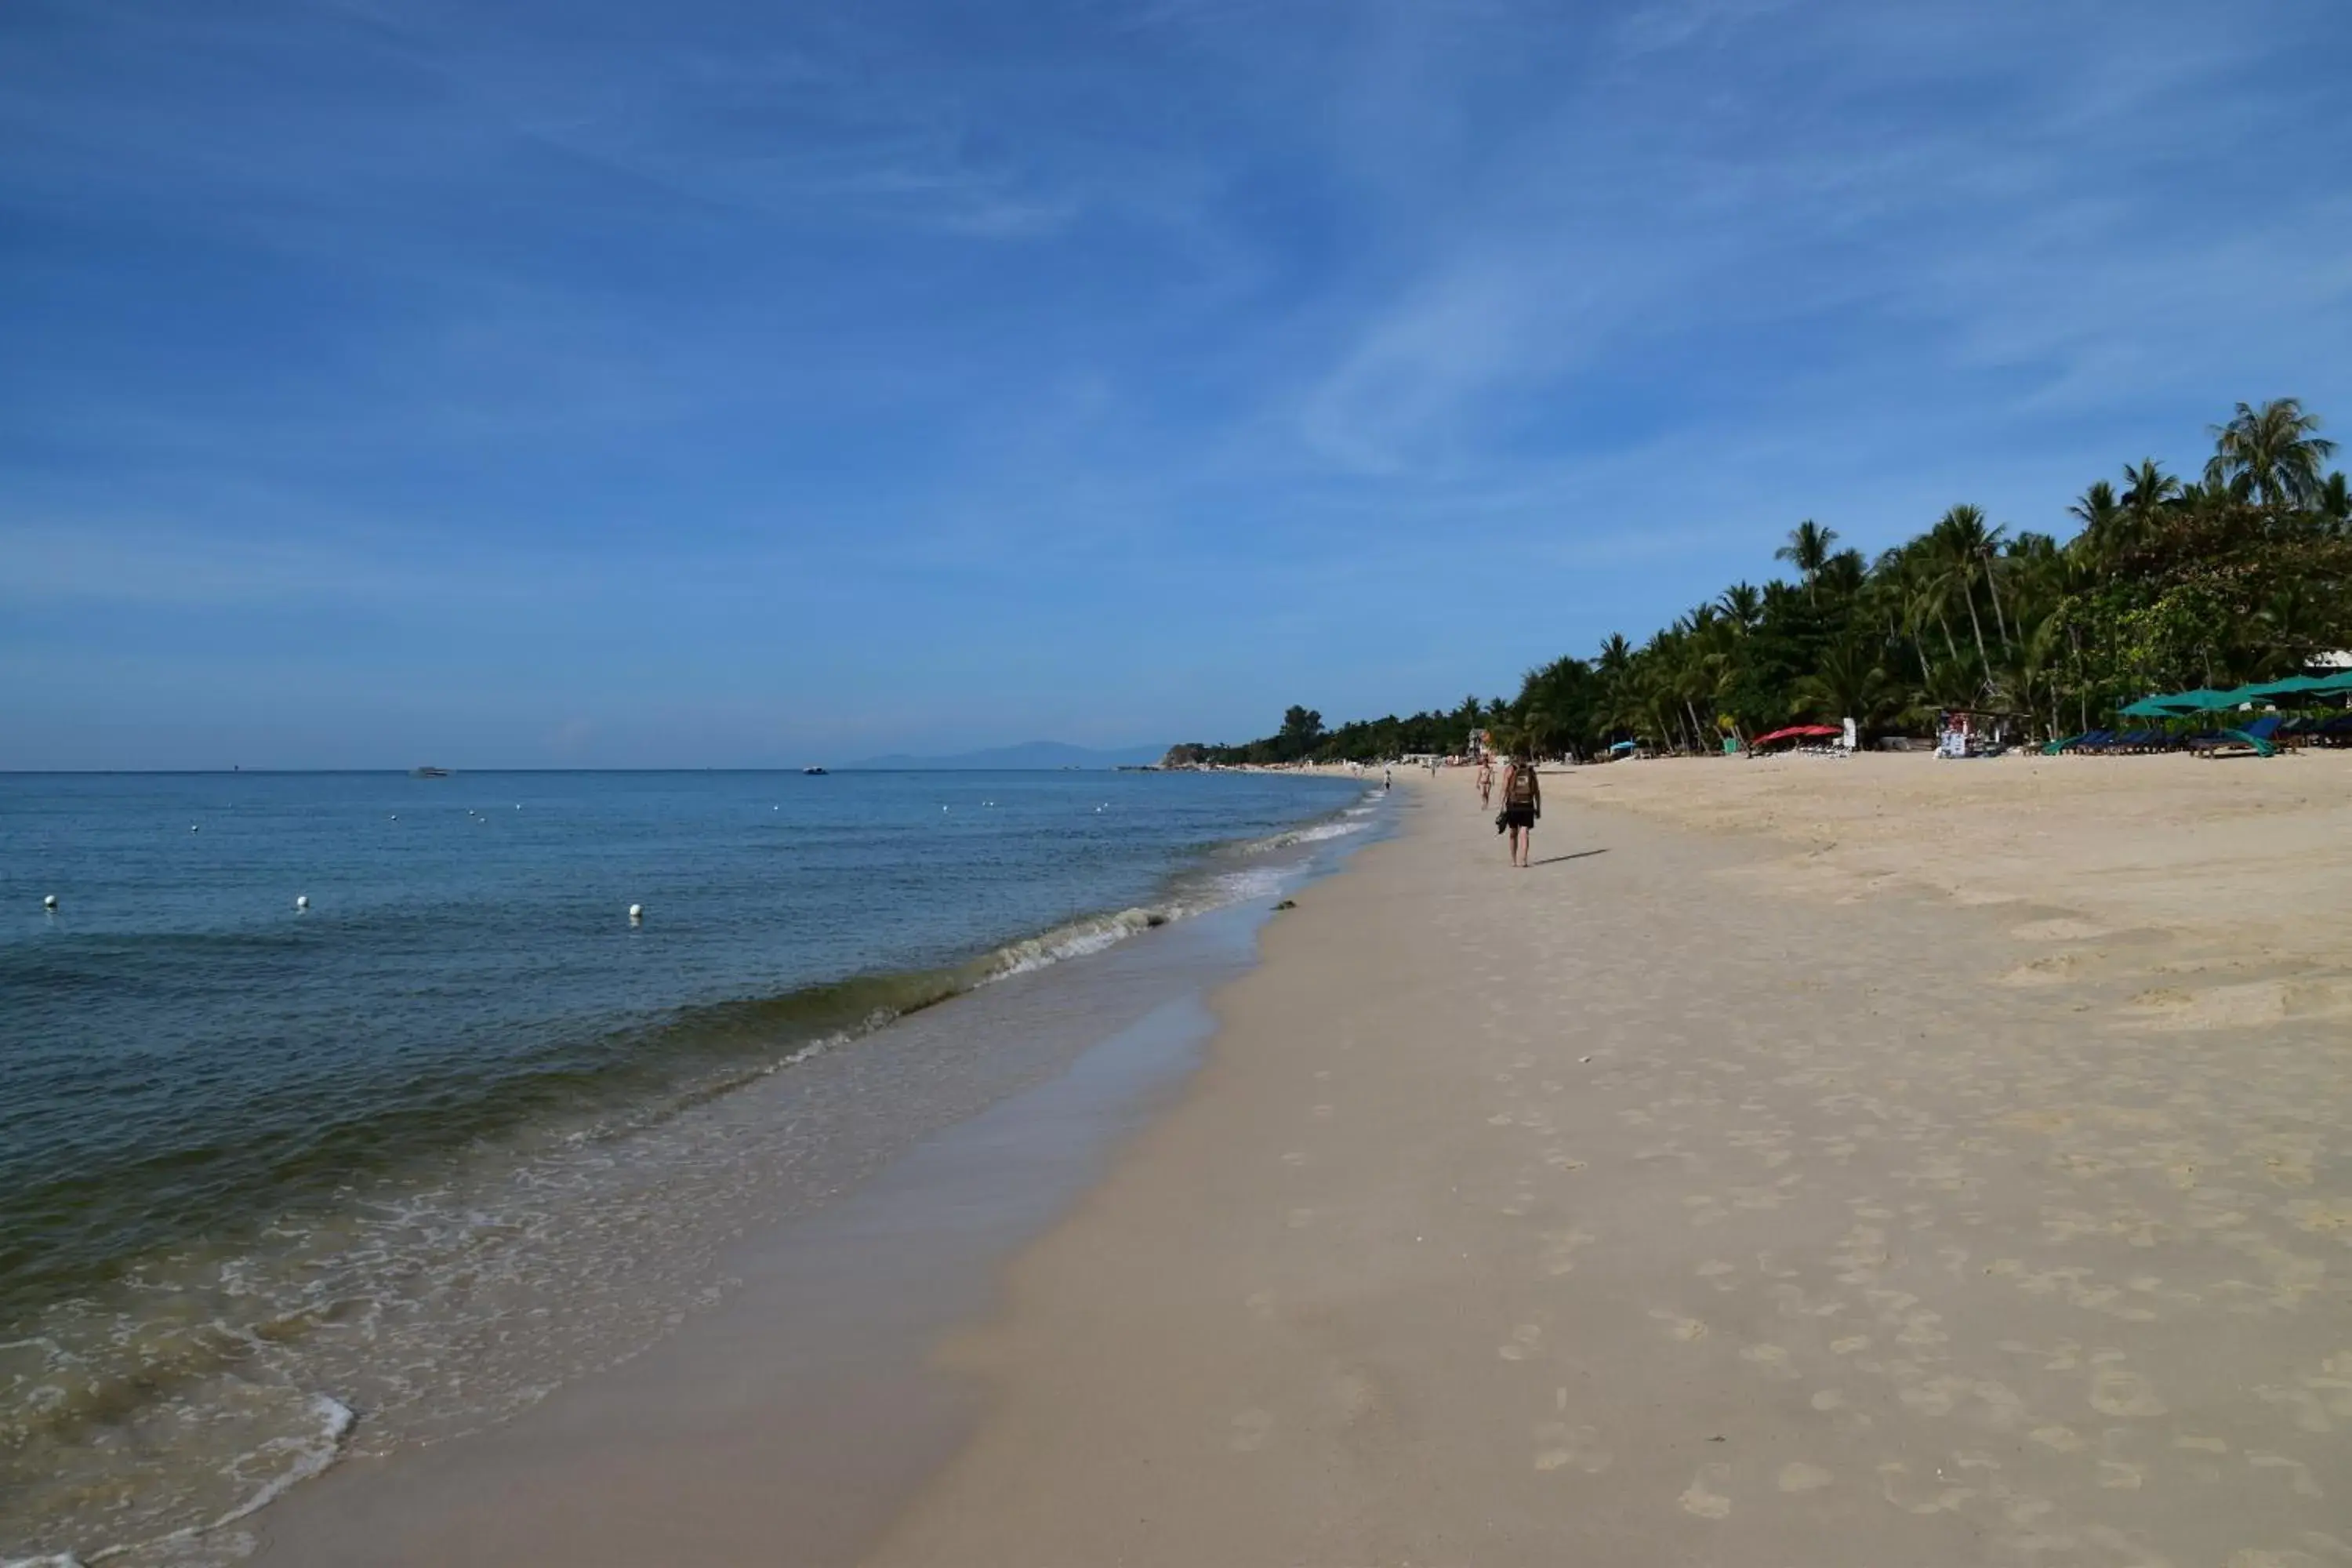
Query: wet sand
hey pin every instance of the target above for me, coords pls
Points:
(791, 1409)
(1826, 1163)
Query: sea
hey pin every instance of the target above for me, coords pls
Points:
(342, 1111)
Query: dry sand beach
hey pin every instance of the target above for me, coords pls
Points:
(1863, 1162)
(1683, 1199)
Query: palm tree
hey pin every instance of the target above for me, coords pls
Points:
(1620, 698)
(2334, 501)
(2272, 456)
(1850, 683)
(1973, 542)
(2099, 511)
(2147, 487)
(1743, 605)
(1808, 550)
(1843, 573)
(1950, 683)
(2026, 677)
(1953, 546)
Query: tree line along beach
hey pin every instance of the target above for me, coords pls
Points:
(2239, 575)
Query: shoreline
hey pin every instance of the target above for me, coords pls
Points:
(866, 1281)
(1682, 1198)
(537, 1261)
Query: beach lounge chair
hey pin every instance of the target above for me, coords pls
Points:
(2253, 740)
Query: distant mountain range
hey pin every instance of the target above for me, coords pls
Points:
(1030, 754)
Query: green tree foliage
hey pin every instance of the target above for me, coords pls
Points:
(2241, 576)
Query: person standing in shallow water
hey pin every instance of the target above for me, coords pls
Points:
(1522, 805)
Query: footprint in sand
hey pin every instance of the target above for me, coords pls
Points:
(2125, 1395)
(1799, 1477)
(1561, 1447)
(1523, 1340)
(1559, 1249)
(2321, 1218)
(2244, 1004)
(1894, 1484)
(2054, 969)
(1687, 1330)
(1251, 1429)
(2299, 1473)
(2058, 931)
(1701, 1497)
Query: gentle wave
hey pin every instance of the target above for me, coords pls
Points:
(304, 1456)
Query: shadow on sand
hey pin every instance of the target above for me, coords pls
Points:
(1556, 859)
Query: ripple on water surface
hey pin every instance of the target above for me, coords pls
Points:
(318, 1165)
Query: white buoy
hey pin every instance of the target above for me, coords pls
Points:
(194, 828)
(636, 914)
(396, 816)
(302, 901)
(49, 903)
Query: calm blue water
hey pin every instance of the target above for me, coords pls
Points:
(183, 1052)
(281, 1184)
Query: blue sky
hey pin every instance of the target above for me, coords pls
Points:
(742, 383)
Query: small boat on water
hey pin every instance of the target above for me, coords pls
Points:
(428, 772)
(814, 773)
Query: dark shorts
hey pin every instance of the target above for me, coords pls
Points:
(1518, 817)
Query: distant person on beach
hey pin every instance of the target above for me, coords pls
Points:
(1388, 775)
(1485, 780)
(1522, 805)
